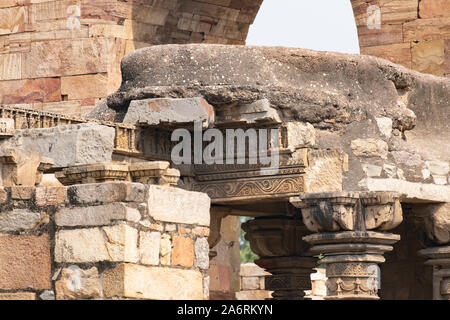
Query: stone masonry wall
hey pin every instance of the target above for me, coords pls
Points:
(64, 55)
(103, 241)
(413, 33)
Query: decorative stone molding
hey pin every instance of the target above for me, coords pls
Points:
(277, 240)
(350, 251)
(155, 172)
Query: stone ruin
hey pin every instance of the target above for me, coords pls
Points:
(92, 206)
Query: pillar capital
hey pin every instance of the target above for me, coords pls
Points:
(278, 242)
(439, 258)
(349, 236)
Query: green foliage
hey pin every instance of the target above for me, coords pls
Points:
(247, 255)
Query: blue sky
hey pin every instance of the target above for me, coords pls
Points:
(326, 25)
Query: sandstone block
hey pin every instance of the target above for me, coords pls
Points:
(76, 283)
(7, 127)
(30, 91)
(50, 196)
(183, 251)
(25, 262)
(122, 243)
(85, 86)
(19, 167)
(149, 247)
(170, 112)
(69, 145)
(429, 57)
(398, 53)
(22, 193)
(434, 8)
(18, 296)
(252, 270)
(250, 283)
(370, 148)
(82, 245)
(117, 243)
(96, 215)
(300, 135)
(97, 193)
(202, 253)
(13, 20)
(166, 250)
(178, 206)
(253, 295)
(3, 195)
(134, 281)
(21, 220)
(438, 167)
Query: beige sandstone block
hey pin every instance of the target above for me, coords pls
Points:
(250, 283)
(370, 148)
(387, 34)
(76, 283)
(178, 206)
(252, 270)
(253, 295)
(98, 193)
(22, 220)
(122, 243)
(149, 247)
(50, 196)
(166, 250)
(82, 245)
(429, 57)
(3, 195)
(83, 87)
(117, 243)
(183, 252)
(434, 8)
(18, 296)
(134, 281)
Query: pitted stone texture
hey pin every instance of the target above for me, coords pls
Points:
(21, 220)
(134, 281)
(178, 206)
(97, 193)
(76, 283)
(300, 135)
(202, 253)
(370, 148)
(149, 247)
(116, 244)
(170, 112)
(305, 84)
(25, 262)
(96, 215)
(69, 145)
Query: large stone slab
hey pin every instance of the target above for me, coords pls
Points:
(69, 145)
(25, 262)
(170, 112)
(134, 281)
(178, 206)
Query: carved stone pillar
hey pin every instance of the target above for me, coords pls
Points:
(437, 223)
(278, 242)
(350, 250)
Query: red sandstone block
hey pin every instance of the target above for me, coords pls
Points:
(29, 91)
(50, 196)
(25, 262)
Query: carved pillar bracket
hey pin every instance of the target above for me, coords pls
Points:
(348, 238)
(278, 242)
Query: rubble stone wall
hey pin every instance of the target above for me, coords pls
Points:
(102, 241)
